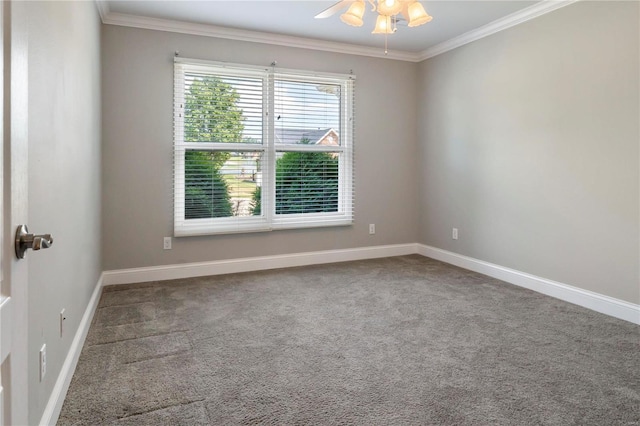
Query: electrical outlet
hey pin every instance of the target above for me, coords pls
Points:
(43, 361)
(62, 318)
(454, 233)
(372, 228)
(167, 243)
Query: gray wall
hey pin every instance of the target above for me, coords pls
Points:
(64, 179)
(138, 141)
(528, 143)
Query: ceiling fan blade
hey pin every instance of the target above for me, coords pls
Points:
(405, 11)
(333, 9)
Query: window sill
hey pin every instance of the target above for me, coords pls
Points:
(193, 230)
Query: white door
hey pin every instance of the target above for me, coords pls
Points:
(13, 212)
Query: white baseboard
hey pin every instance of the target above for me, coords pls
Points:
(59, 392)
(597, 302)
(587, 299)
(219, 267)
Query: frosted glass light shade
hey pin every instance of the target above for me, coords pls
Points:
(353, 16)
(389, 7)
(417, 15)
(383, 25)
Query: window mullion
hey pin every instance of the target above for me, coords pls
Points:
(269, 188)
(308, 148)
(216, 146)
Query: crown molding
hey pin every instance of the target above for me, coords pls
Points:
(125, 20)
(103, 9)
(252, 36)
(498, 25)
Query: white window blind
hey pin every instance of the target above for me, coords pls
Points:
(257, 150)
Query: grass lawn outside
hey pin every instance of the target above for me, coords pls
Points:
(240, 187)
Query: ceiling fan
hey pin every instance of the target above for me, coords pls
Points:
(333, 9)
(411, 10)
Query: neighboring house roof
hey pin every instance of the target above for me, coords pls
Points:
(315, 136)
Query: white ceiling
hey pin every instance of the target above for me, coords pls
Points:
(295, 18)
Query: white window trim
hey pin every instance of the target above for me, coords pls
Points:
(268, 221)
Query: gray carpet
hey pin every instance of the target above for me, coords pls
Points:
(397, 341)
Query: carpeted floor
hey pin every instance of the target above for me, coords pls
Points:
(397, 341)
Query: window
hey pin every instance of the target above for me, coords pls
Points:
(258, 149)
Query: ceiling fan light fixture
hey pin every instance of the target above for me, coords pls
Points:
(417, 14)
(387, 14)
(353, 16)
(383, 25)
(389, 7)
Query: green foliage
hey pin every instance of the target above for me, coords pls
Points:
(256, 202)
(206, 191)
(211, 115)
(306, 182)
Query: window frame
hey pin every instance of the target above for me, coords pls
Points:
(269, 149)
